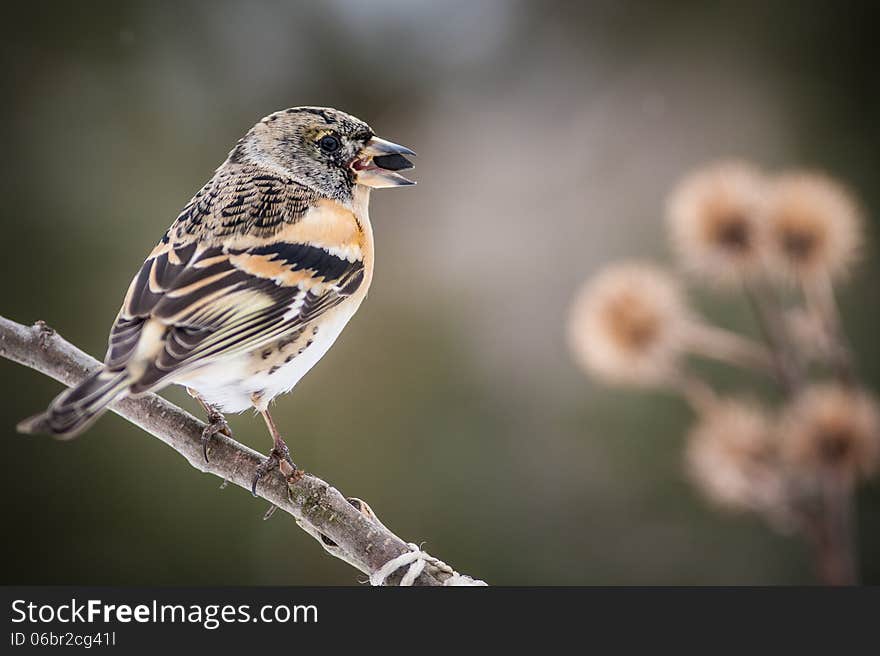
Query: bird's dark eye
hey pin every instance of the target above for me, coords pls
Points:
(329, 144)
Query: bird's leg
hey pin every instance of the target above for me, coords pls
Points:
(279, 456)
(216, 421)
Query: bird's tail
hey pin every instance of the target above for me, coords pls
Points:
(75, 409)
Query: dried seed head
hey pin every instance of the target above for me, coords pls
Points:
(814, 226)
(626, 325)
(829, 427)
(732, 458)
(713, 221)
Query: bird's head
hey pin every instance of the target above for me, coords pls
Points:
(324, 149)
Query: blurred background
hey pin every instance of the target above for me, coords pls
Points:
(549, 135)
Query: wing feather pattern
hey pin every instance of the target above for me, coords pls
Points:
(226, 306)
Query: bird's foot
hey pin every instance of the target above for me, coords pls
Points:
(216, 424)
(279, 458)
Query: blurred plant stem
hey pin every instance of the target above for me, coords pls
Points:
(830, 527)
(717, 343)
(822, 304)
(768, 314)
(831, 531)
(695, 391)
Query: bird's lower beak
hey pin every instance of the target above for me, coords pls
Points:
(378, 162)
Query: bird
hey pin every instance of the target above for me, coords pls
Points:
(253, 281)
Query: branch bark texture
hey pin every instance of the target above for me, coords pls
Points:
(346, 529)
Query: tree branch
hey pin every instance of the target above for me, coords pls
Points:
(346, 529)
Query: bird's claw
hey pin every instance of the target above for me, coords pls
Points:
(279, 457)
(217, 424)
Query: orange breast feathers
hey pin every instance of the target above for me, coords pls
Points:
(328, 225)
(333, 227)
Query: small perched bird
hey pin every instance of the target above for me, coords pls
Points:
(254, 280)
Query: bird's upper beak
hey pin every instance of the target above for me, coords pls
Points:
(378, 162)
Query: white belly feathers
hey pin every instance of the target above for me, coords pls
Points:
(254, 378)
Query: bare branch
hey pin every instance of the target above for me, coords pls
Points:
(345, 529)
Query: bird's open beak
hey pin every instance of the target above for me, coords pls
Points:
(378, 162)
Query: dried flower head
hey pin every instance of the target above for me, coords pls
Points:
(713, 221)
(732, 457)
(814, 225)
(626, 324)
(833, 428)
